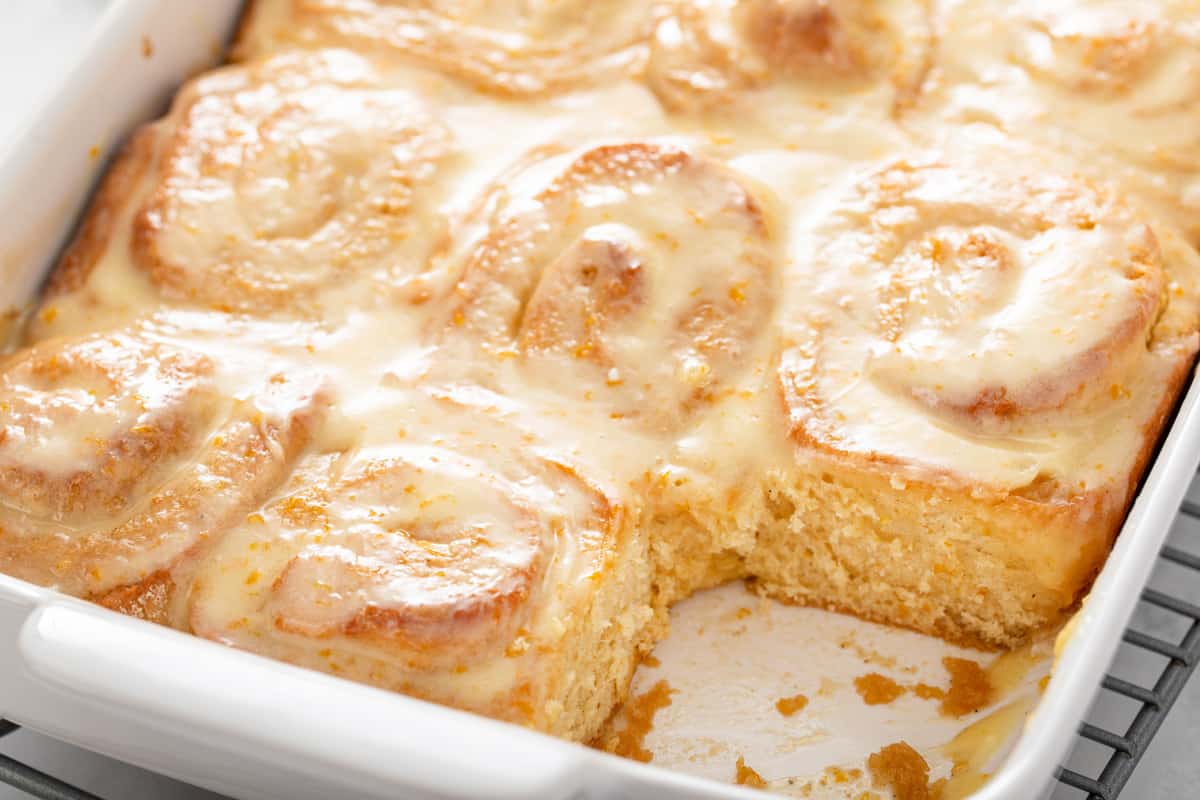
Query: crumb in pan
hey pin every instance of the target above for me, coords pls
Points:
(747, 776)
(639, 721)
(904, 771)
(876, 689)
(791, 705)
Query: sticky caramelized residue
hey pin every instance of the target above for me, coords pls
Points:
(975, 746)
(904, 771)
(839, 775)
(871, 655)
(1009, 669)
(791, 705)
(970, 687)
(876, 689)
(746, 776)
(639, 720)
(926, 691)
(650, 661)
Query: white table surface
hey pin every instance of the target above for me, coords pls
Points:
(34, 35)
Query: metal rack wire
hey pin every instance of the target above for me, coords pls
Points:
(1150, 703)
(34, 782)
(1123, 749)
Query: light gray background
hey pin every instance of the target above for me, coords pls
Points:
(35, 37)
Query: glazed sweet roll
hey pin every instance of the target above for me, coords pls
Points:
(636, 283)
(513, 48)
(1121, 79)
(972, 372)
(469, 564)
(707, 55)
(311, 184)
(633, 276)
(121, 455)
(291, 187)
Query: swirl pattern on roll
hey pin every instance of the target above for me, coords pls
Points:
(119, 454)
(1120, 78)
(705, 55)
(642, 271)
(511, 48)
(959, 310)
(435, 552)
(284, 181)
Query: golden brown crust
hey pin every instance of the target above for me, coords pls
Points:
(253, 18)
(116, 191)
(149, 599)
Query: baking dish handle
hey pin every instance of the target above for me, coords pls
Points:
(223, 719)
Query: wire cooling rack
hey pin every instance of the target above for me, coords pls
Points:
(1163, 661)
(1107, 751)
(33, 781)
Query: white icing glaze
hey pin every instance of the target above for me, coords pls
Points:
(977, 322)
(1118, 79)
(513, 47)
(529, 310)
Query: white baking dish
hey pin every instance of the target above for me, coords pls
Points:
(250, 727)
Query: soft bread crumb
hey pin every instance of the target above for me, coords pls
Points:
(746, 776)
(970, 687)
(876, 689)
(903, 770)
(639, 721)
(791, 705)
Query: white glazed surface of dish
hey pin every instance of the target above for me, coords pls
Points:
(230, 721)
